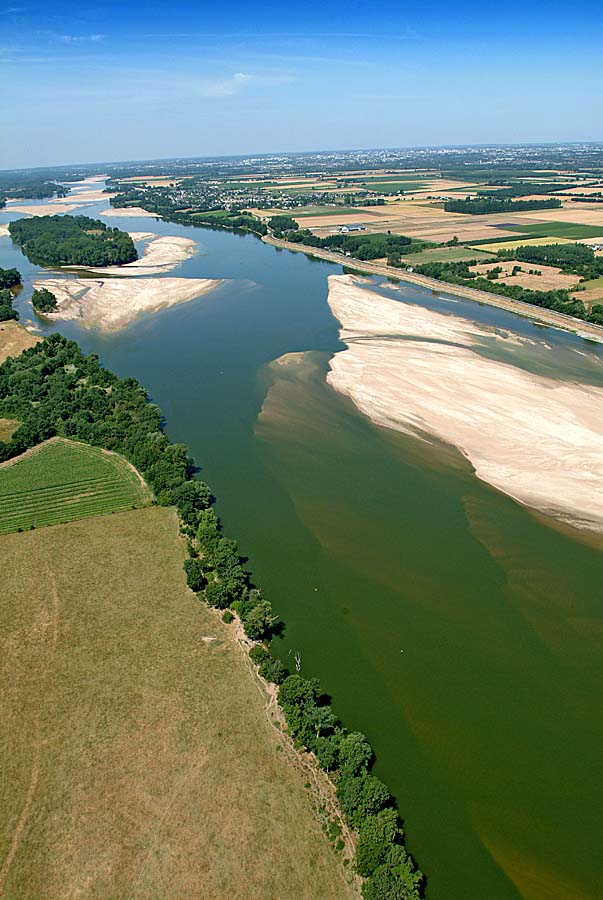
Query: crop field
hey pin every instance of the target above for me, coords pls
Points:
(14, 339)
(392, 187)
(450, 254)
(61, 481)
(572, 230)
(137, 758)
(512, 244)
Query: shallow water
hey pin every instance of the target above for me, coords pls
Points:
(459, 631)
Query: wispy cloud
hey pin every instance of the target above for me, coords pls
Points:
(81, 38)
(234, 84)
(225, 87)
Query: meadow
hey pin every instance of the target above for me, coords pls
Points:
(138, 759)
(61, 481)
(573, 230)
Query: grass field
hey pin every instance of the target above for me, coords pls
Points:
(392, 187)
(137, 759)
(7, 428)
(573, 230)
(61, 481)
(14, 339)
(450, 254)
(512, 244)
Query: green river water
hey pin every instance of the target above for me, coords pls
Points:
(461, 633)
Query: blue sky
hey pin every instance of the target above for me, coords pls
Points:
(104, 81)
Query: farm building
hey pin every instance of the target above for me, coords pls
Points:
(345, 229)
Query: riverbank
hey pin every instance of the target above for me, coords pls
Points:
(161, 254)
(113, 303)
(536, 439)
(536, 313)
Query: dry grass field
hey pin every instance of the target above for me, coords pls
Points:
(137, 760)
(7, 427)
(550, 278)
(14, 339)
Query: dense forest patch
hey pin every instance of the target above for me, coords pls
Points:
(72, 241)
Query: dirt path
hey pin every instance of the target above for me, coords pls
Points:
(25, 810)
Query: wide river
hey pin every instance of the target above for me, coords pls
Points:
(461, 633)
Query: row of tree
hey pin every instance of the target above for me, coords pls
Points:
(53, 388)
(358, 245)
(9, 278)
(72, 241)
(483, 206)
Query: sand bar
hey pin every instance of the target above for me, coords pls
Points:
(115, 302)
(536, 439)
(160, 256)
(137, 211)
(54, 208)
(3, 230)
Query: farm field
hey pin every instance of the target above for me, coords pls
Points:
(511, 244)
(450, 254)
(14, 339)
(138, 762)
(573, 230)
(60, 481)
(550, 278)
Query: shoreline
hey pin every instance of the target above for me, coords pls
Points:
(113, 303)
(537, 314)
(420, 372)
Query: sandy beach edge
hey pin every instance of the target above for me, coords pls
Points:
(537, 313)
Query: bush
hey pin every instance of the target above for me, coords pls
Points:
(258, 654)
(227, 617)
(43, 300)
(194, 574)
(273, 670)
(361, 796)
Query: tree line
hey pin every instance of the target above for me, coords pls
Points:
(9, 278)
(483, 206)
(54, 389)
(360, 246)
(72, 240)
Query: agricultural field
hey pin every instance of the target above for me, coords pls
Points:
(14, 339)
(548, 278)
(512, 244)
(591, 292)
(450, 254)
(574, 231)
(138, 760)
(61, 481)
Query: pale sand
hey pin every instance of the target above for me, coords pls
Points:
(3, 230)
(128, 211)
(55, 208)
(116, 302)
(160, 256)
(536, 439)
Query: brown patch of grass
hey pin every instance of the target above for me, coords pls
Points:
(159, 773)
(8, 428)
(14, 339)
(550, 279)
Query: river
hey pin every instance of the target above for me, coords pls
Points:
(460, 632)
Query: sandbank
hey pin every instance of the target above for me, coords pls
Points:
(54, 208)
(3, 230)
(415, 370)
(137, 211)
(160, 255)
(114, 303)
